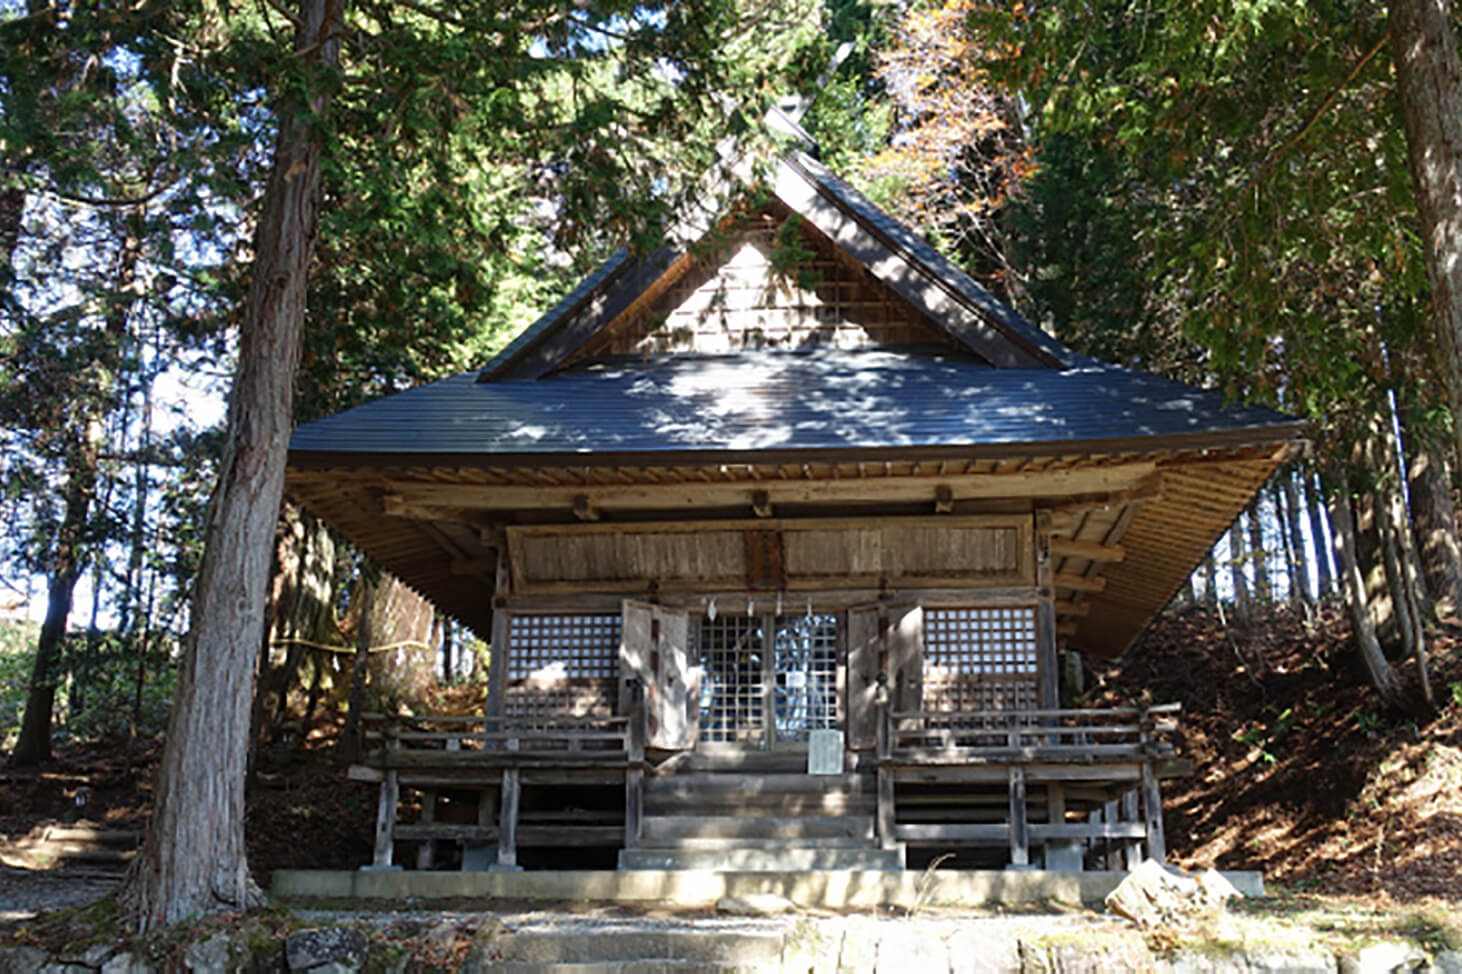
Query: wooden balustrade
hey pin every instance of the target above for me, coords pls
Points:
(1037, 751)
(495, 757)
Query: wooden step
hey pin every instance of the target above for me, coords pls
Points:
(763, 860)
(711, 843)
(660, 828)
(760, 806)
(706, 783)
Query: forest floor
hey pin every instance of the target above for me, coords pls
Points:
(1299, 772)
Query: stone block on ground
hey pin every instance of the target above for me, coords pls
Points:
(1448, 962)
(209, 956)
(813, 946)
(911, 946)
(313, 950)
(1152, 894)
(127, 963)
(755, 905)
(22, 960)
(1388, 957)
(859, 951)
(976, 950)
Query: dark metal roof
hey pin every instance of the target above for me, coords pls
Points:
(563, 309)
(822, 399)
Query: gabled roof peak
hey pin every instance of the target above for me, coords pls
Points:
(895, 258)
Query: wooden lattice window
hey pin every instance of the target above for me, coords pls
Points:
(563, 665)
(980, 659)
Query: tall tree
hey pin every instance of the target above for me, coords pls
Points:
(194, 857)
(1429, 88)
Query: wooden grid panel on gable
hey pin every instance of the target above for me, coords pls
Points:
(738, 299)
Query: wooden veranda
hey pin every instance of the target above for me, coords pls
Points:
(1063, 789)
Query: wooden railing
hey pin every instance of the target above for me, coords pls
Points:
(1017, 736)
(491, 753)
(435, 737)
(1050, 749)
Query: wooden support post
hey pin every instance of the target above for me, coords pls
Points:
(497, 664)
(386, 821)
(887, 810)
(1111, 812)
(507, 827)
(389, 798)
(1048, 670)
(1131, 849)
(1157, 845)
(1019, 821)
(634, 775)
(426, 852)
(761, 503)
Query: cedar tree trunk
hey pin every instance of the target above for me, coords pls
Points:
(34, 745)
(1342, 523)
(1433, 523)
(193, 859)
(1429, 86)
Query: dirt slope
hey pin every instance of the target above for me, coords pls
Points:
(1299, 771)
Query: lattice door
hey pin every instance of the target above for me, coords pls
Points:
(733, 680)
(562, 665)
(806, 675)
(744, 682)
(980, 660)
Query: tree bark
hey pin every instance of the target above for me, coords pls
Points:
(1209, 571)
(364, 633)
(1315, 510)
(1258, 554)
(1287, 498)
(1342, 521)
(402, 619)
(1429, 87)
(1434, 526)
(1236, 562)
(194, 859)
(34, 744)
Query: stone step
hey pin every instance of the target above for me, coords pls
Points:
(666, 829)
(702, 783)
(745, 859)
(563, 946)
(616, 967)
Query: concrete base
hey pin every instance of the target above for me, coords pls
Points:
(833, 889)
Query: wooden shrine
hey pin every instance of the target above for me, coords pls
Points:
(778, 564)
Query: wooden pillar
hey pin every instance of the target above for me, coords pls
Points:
(1111, 813)
(507, 828)
(634, 774)
(887, 810)
(883, 741)
(1157, 846)
(497, 664)
(386, 821)
(426, 853)
(1131, 848)
(386, 802)
(1019, 820)
(1048, 669)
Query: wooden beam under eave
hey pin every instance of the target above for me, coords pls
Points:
(1085, 487)
(1090, 550)
(1068, 608)
(1079, 583)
